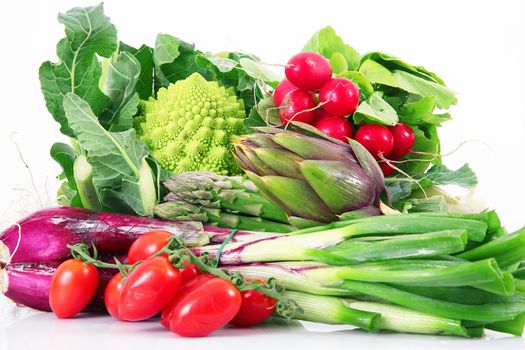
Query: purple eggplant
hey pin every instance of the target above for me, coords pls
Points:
(28, 284)
(45, 234)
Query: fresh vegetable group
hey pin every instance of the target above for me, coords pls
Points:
(313, 197)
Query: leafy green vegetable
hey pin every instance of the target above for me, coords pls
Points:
(338, 63)
(123, 75)
(393, 63)
(427, 143)
(441, 175)
(418, 112)
(378, 74)
(144, 55)
(437, 175)
(88, 33)
(258, 71)
(83, 173)
(375, 110)
(65, 156)
(326, 43)
(411, 83)
(175, 60)
(398, 189)
(117, 159)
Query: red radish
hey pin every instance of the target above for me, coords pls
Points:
(404, 139)
(377, 139)
(308, 70)
(386, 169)
(298, 106)
(320, 113)
(336, 127)
(339, 97)
(283, 89)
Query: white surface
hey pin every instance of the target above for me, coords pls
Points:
(477, 47)
(44, 331)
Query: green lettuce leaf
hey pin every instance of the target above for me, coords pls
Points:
(375, 110)
(393, 63)
(416, 85)
(88, 33)
(326, 43)
(378, 74)
(422, 112)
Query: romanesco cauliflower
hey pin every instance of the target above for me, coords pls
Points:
(190, 126)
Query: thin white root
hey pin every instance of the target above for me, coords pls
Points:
(31, 177)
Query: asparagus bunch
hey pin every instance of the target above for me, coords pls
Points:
(225, 201)
(420, 273)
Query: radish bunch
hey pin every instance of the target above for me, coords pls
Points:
(310, 95)
(392, 143)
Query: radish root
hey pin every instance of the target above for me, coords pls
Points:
(408, 177)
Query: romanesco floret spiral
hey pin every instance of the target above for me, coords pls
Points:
(190, 125)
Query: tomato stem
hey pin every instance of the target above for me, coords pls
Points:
(180, 256)
(81, 252)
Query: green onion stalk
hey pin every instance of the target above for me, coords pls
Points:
(430, 237)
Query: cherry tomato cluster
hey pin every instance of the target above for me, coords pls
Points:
(191, 303)
(310, 94)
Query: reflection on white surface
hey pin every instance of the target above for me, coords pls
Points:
(44, 331)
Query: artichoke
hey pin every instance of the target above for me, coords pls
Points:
(313, 178)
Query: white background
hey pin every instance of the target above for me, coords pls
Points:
(478, 47)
